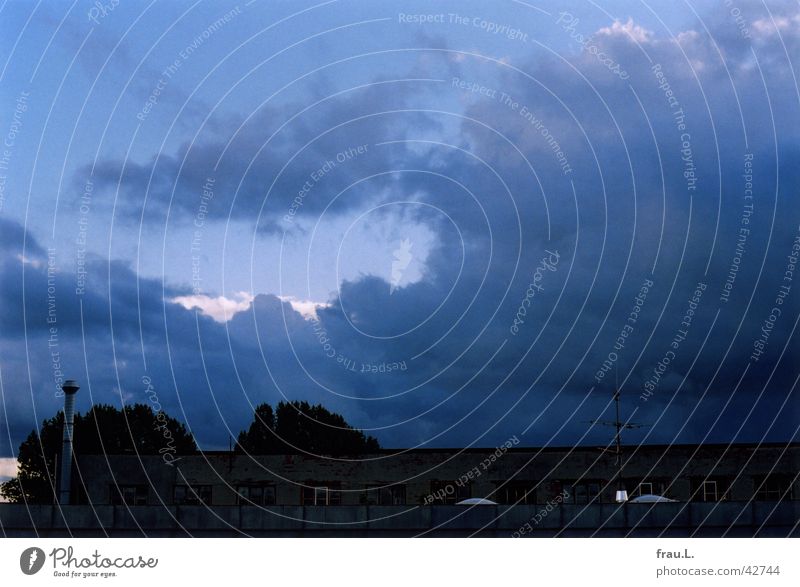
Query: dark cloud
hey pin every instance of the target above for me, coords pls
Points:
(280, 155)
(437, 361)
(14, 239)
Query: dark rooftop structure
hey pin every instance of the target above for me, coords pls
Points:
(732, 490)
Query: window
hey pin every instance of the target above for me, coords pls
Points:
(384, 495)
(191, 495)
(583, 492)
(772, 488)
(649, 487)
(448, 492)
(255, 495)
(555, 491)
(128, 494)
(521, 492)
(586, 492)
(710, 489)
(322, 494)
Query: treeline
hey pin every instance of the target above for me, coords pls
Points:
(291, 428)
(300, 427)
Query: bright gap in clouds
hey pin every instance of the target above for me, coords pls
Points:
(306, 308)
(392, 247)
(219, 308)
(315, 265)
(8, 469)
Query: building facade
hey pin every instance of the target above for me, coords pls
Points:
(507, 475)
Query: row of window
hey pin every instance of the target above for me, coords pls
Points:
(766, 489)
(260, 495)
(449, 492)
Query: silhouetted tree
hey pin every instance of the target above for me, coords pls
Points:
(298, 426)
(103, 430)
(260, 437)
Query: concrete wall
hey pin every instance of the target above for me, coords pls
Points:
(734, 519)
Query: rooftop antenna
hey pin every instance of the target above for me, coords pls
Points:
(619, 425)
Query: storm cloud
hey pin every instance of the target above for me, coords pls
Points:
(610, 204)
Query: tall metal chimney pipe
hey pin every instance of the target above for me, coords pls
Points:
(70, 388)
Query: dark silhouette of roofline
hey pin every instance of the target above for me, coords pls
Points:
(389, 451)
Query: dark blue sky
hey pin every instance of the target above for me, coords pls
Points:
(439, 219)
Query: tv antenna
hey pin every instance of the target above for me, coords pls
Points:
(619, 426)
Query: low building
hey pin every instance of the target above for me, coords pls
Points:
(507, 475)
(720, 490)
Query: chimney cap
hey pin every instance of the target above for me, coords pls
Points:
(70, 386)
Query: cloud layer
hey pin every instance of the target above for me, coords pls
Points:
(590, 229)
